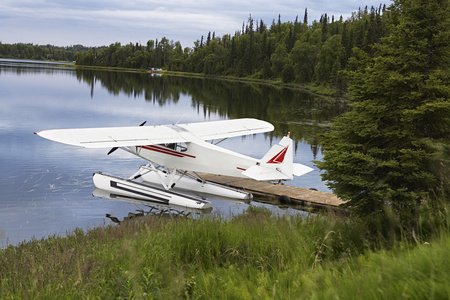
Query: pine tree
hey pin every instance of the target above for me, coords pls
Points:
(391, 150)
(329, 59)
(262, 26)
(208, 38)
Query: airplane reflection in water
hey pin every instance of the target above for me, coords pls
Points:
(155, 208)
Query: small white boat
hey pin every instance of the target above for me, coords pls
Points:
(130, 188)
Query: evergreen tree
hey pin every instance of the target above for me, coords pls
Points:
(391, 150)
(324, 21)
(278, 59)
(208, 38)
(303, 56)
(288, 73)
(262, 27)
(329, 59)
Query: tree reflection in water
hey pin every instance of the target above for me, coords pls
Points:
(304, 114)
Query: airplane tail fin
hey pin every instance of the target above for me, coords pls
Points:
(277, 164)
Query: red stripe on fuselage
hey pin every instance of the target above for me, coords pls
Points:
(165, 150)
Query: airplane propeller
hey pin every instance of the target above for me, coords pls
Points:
(112, 150)
(115, 148)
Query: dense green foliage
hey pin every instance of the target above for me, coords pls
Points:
(135, 56)
(394, 146)
(40, 52)
(254, 255)
(291, 51)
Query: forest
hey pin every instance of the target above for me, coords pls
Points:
(40, 52)
(298, 52)
(291, 51)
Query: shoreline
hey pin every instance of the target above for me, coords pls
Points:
(319, 90)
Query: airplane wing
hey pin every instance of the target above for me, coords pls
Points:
(108, 137)
(227, 128)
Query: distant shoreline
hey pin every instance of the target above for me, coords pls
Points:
(320, 90)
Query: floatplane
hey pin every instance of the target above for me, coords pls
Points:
(177, 153)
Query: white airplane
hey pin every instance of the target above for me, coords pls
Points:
(180, 148)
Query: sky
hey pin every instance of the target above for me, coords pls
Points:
(103, 22)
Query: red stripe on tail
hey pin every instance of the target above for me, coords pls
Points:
(279, 158)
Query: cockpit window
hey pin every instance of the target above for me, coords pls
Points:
(172, 146)
(182, 147)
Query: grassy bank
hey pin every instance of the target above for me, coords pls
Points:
(254, 255)
(318, 89)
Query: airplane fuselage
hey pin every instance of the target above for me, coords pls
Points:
(197, 156)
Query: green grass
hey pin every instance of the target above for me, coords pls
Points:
(251, 256)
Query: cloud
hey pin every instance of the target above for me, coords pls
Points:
(101, 22)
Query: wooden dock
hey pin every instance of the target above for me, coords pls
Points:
(299, 196)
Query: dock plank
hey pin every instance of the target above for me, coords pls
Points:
(296, 194)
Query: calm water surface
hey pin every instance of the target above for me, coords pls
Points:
(46, 187)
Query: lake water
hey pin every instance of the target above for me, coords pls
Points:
(46, 187)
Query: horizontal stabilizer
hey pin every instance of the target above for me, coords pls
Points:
(300, 169)
(262, 173)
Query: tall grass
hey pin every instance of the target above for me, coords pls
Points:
(253, 255)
